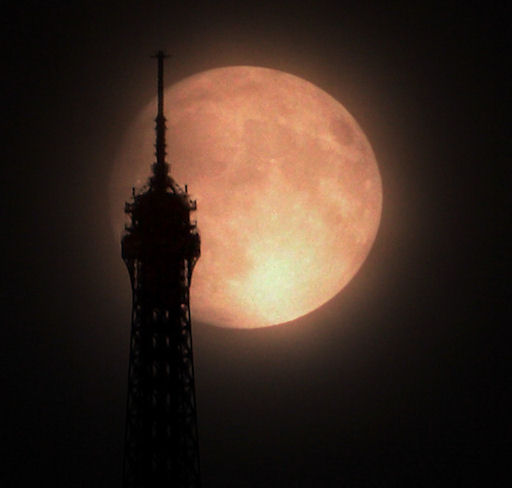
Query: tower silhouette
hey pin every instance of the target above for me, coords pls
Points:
(160, 248)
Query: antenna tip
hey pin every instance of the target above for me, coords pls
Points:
(160, 55)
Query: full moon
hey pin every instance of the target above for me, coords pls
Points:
(288, 191)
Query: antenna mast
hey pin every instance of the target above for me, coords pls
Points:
(160, 167)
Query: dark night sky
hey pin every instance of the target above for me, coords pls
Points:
(398, 381)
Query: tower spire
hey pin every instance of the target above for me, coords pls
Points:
(160, 167)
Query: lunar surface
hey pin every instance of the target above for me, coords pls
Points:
(287, 186)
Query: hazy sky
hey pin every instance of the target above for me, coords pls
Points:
(398, 381)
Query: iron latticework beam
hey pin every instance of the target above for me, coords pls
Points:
(160, 249)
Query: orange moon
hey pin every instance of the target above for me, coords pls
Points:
(288, 191)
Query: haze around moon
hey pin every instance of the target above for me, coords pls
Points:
(288, 191)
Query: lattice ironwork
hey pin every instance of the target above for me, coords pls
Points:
(160, 248)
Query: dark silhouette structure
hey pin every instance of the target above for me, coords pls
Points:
(160, 248)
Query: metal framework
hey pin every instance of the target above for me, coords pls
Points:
(160, 248)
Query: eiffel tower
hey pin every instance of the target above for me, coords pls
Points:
(160, 247)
